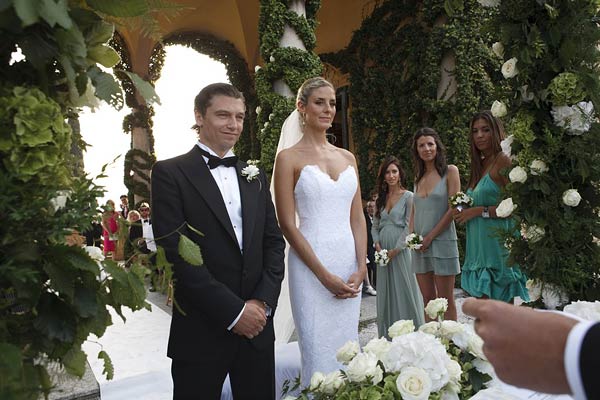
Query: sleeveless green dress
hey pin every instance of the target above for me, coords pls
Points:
(398, 294)
(485, 271)
(442, 256)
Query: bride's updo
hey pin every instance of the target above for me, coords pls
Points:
(309, 86)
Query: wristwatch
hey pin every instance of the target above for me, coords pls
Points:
(486, 212)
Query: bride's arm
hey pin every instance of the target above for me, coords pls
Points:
(283, 183)
(359, 231)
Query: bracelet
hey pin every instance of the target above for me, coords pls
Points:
(486, 212)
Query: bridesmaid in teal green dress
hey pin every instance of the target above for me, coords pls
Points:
(486, 272)
(398, 295)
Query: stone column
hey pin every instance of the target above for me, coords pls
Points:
(290, 39)
(447, 86)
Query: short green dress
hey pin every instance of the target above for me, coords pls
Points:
(442, 256)
(398, 294)
(485, 271)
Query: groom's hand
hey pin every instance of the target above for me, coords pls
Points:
(252, 321)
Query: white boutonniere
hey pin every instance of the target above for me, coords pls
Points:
(251, 171)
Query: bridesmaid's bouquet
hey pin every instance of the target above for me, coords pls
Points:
(460, 201)
(414, 241)
(440, 360)
(382, 258)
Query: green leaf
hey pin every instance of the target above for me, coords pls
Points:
(107, 88)
(195, 230)
(62, 278)
(10, 360)
(104, 55)
(100, 33)
(145, 89)
(79, 259)
(56, 13)
(109, 369)
(55, 320)
(120, 8)
(190, 251)
(161, 258)
(27, 11)
(85, 301)
(74, 361)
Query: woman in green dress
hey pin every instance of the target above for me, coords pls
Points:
(398, 295)
(485, 271)
(436, 262)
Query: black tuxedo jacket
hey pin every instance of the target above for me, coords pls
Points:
(209, 298)
(589, 362)
(370, 248)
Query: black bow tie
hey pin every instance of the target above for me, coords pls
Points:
(147, 221)
(214, 161)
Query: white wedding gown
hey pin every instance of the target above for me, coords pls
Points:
(323, 323)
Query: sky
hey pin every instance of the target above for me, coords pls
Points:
(184, 74)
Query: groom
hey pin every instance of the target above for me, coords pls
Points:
(223, 319)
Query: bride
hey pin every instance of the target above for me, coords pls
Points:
(327, 259)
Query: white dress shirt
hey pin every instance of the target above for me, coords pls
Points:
(148, 234)
(227, 181)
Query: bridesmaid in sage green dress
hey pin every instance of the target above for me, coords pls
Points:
(398, 295)
(436, 262)
(486, 272)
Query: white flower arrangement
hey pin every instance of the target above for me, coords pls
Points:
(251, 171)
(414, 241)
(584, 309)
(551, 295)
(505, 208)
(498, 109)
(576, 119)
(446, 364)
(509, 68)
(538, 167)
(517, 174)
(571, 197)
(436, 308)
(382, 258)
(460, 201)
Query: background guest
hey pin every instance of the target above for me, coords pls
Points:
(399, 296)
(150, 244)
(485, 272)
(371, 267)
(136, 233)
(436, 262)
(109, 228)
(124, 206)
(93, 234)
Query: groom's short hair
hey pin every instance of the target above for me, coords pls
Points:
(203, 99)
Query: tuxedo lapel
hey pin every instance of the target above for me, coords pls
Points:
(249, 197)
(197, 172)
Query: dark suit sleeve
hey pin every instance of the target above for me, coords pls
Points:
(269, 286)
(589, 362)
(195, 283)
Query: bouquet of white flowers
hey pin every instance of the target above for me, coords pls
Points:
(382, 258)
(414, 241)
(441, 360)
(460, 201)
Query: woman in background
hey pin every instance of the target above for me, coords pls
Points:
(398, 294)
(109, 228)
(436, 262)
(485, 271)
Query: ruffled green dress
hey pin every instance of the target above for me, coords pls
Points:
(398, 294)
(485, 271)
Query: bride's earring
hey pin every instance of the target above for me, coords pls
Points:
(303, 120)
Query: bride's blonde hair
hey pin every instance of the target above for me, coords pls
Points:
(309, 86)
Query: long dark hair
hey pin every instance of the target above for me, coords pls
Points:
(381, 185)
(476, 157)
(441, 165)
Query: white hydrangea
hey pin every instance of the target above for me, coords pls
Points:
(377, 346)
(584, 309)
(576, 119)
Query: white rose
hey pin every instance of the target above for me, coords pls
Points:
(498, 49)
(506, 145)
(509, 68)
(534, 289)
(436, 307)
(483, 366)
(454, 370)
(461, 339)
(258, 110)
(95, 253)
(449, 395)
(316, 380)
(362, 366)
(332, 382)
(450, 328)
(584, 309)
(413, 384)
(347, 352)
(272, 59)
(59, 201)
(431, 328)
(517, 174)
(475, 346)
(377, 346)
(256, 68)
(571, 197)
(525, 95)
(505, 208)
(401, 327)
(538, 167)
(534, 233)
(250, 172)
(498, 109)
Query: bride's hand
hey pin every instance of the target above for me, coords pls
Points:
(339, 288)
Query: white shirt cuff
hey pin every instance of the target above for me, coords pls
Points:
(235, 321)
(572, 350)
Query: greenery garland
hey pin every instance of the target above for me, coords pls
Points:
(394, 64)
(551, 59)
(291, 65)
